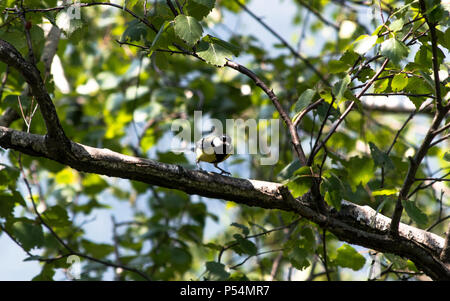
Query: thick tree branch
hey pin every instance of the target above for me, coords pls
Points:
(356, 224)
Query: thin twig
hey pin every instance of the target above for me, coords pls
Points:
(319, 15)
(443, 138)
(309, 162)
(285, 43)
(445, 127)
(219, 258)
(307, 110)
(26, 26)
(258, 254)
(437, 223)
(325, 264)
(61, 7)
(284, 116)
(347, 111)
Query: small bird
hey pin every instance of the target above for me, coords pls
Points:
(213, 149)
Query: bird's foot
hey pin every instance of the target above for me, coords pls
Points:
(224, 172)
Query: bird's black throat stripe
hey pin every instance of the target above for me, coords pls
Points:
(222, 156)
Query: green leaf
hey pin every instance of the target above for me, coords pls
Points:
(288, 170)
(56, 216)
(415, 213)
(447, 156)
(298, 258)
(8, 176)
(423, 57)
(46, 274)
(6, 205)
(160, 59)
(28, 234)
(340, 88)
(399, 82)
(394, 49)
(361, 169)
(397, 25)
(213, 54)
(180, 258)
(188, 29)
(397, 261)
(380, 158)
(384, 192)
(381, 85)
(349, 58)
(301, 182)
(231, 47)
(348, 257)
(208, 3)
(247, 246)
(158, 35)
(197, 10)
(335, 66)
(447, 38)
(303, 101)
(213, 246)
(97, 250)
(65, 176)
(365, 74)
(364, 43)
(217, 270)
(8, 201)
(93, 184)
(135, 31)
(130, 3)
(418, 86)
(308, 240)
(333, 189)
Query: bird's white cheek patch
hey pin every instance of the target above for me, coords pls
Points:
(216, 142)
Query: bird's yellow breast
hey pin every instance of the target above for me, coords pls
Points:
(210, 158)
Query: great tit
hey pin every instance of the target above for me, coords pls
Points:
(213, 149)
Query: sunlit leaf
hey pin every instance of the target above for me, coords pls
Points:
(394, 49)
(364, 43)
(348, 257)
(213, 54)
(188, 29)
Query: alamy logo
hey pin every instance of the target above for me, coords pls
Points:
(73, 10)
(247, 136)
(74, 270)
